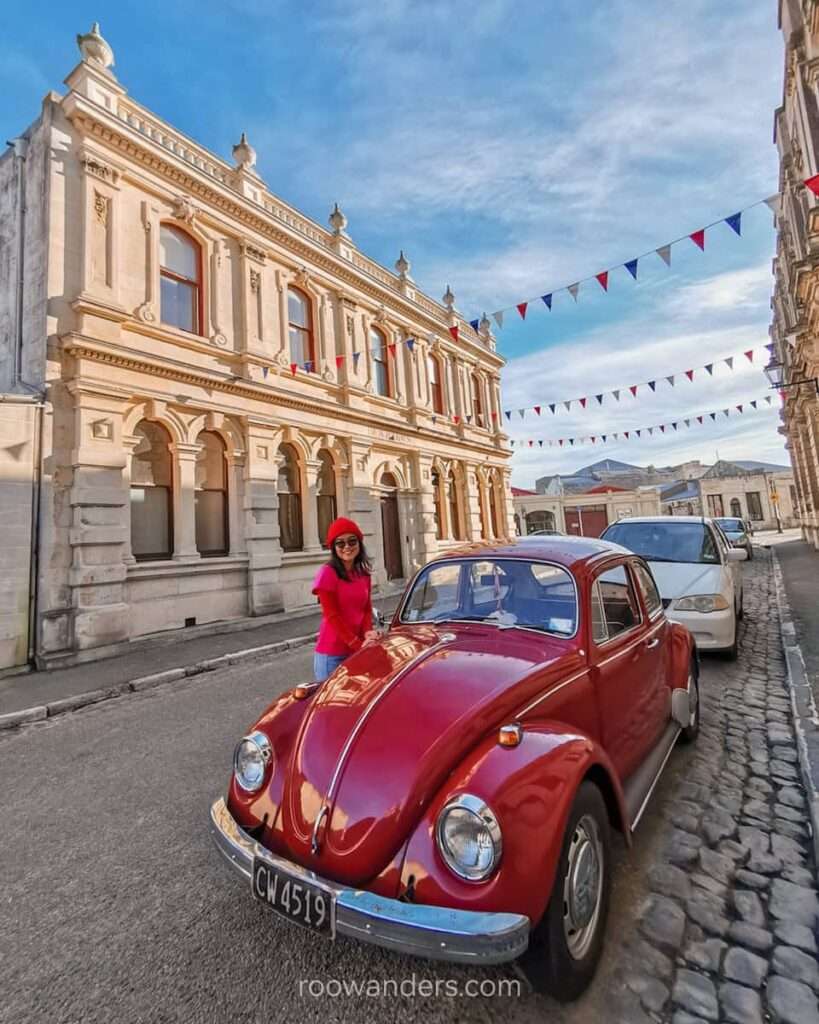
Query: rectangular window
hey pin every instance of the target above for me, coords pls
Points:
(290, 522)
(150, 522)
(210, 511)
(754, 505)
(715, 507)
(179, 302)
(620, 608)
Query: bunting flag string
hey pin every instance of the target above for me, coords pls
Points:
(733, 220)
(651, 384)
(757, 404)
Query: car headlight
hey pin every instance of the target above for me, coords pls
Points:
(702, 603)
(469, 838)
(250, 761)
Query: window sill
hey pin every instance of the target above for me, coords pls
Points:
(305, 557)
(168, 567)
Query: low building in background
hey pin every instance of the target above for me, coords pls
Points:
(585, 502)
(197, 378)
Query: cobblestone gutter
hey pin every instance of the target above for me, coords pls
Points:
(728, 930)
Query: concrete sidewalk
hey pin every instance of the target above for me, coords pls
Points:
(37, 695)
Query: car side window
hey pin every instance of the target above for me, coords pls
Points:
(598, 620)
(621, 612)
(710, 549)
(646, 583)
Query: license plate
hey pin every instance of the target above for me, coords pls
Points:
(294, 898)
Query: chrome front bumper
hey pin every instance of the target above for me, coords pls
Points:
(437, 933)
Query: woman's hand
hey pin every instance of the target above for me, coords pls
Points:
(371, 634)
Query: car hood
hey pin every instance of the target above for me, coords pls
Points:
(678, 579)
(384, 732)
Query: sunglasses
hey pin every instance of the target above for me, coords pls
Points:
(351, 543)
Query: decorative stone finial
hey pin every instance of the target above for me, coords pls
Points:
(448, 299)
(337, 220)
(403, 266)
(94, 49)
(244, 155)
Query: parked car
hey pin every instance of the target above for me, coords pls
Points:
(544, 533)
(736, 533)
(696, 570)
(449, 791)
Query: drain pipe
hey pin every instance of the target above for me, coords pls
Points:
(20, 148)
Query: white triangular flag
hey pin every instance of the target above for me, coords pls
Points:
(671, 380)
(616, 394)
(573, 290)
(568, 406)
(774, 203)
(664, 252)
(521, 412)
(498, 317)
(729, 362)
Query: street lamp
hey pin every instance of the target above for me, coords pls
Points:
(775, 372)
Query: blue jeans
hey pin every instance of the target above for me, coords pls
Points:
(325, 664)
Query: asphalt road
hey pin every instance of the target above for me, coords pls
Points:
(116, 908)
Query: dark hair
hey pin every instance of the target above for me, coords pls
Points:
(362, 566)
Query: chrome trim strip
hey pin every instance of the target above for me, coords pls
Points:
(552, 692)
(359, 725)
(628, 647)
(438, 933)
(636, 821)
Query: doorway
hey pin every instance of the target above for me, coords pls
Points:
(391, 529)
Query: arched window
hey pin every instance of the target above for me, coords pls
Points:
(477, 404)
(736, 508)
(289, 489)
(540, 520)
(454, 509)
(151, 493)
(435, 385)
(210, 495)
(436, 505)
(180, 279)
(381, 369)
(300, 316)
(325, 494)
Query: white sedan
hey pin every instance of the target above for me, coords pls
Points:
(696, 570)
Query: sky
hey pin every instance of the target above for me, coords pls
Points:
(510, 148)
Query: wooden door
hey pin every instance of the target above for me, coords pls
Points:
(391, 535)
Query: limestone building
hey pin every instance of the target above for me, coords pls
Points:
(196, 378)
(795, 329)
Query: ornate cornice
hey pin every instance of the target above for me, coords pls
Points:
(218, 193)
(84, 348)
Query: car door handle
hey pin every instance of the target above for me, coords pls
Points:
(650, 644)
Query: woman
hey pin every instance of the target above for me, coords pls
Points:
(343, 587)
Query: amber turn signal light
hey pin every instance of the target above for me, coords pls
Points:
(510, 735)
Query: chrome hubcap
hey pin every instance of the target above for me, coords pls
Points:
(693, 701)
(583, 887)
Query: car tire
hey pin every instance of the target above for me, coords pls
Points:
(691, 731)
(741, 610)
(750, 551)
(730, 653)
(565, 947)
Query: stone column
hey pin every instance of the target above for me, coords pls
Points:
(97, 536)
(234, 470)
(260, 507)
(425, 531)
(129, 443)
(184, 499)
(472, 512)
(309, 507)
(363, 504)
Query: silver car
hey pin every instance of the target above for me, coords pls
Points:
(736, 533)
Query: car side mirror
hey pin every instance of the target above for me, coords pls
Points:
(379, 620)
(737, 555)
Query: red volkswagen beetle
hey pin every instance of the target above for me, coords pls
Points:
(449, 791)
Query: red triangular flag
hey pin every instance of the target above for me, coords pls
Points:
(583, 402)
(454, 332)
(455, 419)
(522, 309)
(633, 389)
(391, 349)
(293, 368)
(689, 374)
(603, 279)
(749, 355)
(494, 415)
(813, 184)
(699, 419)
(625, 434)
(339, 361)
(698, 238)
(537, 409)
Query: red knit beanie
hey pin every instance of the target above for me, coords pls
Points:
(340, 526)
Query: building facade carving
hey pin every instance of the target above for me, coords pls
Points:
(219, 378)
(795, 302)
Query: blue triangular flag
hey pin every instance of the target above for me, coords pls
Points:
(547, 299)
(653, 385)
(356, 357)
(507, 413)
(631, 267)
(599, 399)
(308, 366)
(474, 324)
(265, 371)
(411, 344)
(552, 407)
(733, 222)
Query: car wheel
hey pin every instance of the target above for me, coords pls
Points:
(741, 610)
(731, 652)
(565, 947)
(750, 553)
(691, 731)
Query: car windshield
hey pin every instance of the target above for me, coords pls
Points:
(731, 525)
(666, 541)
(505, 592)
